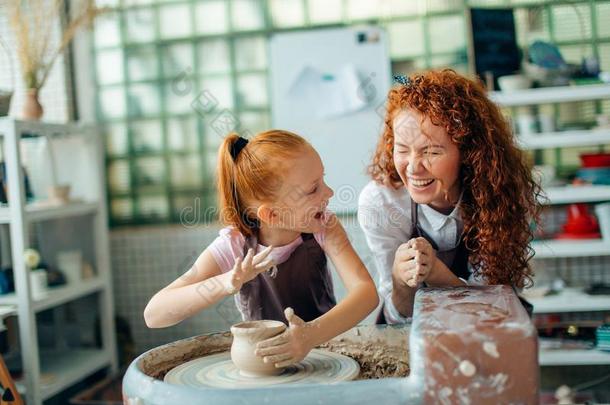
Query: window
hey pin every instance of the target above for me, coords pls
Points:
(173, 77)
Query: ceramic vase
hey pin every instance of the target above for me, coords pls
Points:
(245, 337)
(32, 110)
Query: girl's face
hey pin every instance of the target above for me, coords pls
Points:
(303, 196)
(427, 160)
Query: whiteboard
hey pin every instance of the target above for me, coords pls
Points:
(330, 86)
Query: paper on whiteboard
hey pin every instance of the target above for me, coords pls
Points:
(329, 95)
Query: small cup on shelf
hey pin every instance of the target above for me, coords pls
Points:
(59, 194)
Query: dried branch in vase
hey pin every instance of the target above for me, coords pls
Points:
(34, 23)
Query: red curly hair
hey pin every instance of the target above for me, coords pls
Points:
(500, 197)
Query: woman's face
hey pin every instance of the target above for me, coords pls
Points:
(427, 160)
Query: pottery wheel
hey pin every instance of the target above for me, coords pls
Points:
(218, 371)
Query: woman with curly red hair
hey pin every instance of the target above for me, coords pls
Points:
(452, 196)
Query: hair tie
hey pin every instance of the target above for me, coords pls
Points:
(402, 79)
(237, 146)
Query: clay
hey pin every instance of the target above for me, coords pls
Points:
(245, 337)
(381, 351)
(376, 360)
(477, 346)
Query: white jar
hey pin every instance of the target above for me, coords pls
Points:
(38, 283)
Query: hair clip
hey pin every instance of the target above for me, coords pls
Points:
(402, 79)
(237, 146)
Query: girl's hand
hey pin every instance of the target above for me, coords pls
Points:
(414, 261)
(249, 267)
(291, 346)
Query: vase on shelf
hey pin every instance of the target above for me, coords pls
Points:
(32, 109)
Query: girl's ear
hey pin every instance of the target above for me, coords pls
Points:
(266, 214)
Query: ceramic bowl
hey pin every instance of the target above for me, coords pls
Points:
(514, 82)
(59, 194)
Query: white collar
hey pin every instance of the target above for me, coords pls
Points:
(438, 220)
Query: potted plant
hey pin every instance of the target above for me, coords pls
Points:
(33, 23)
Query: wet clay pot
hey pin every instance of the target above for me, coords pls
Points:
(245, 337)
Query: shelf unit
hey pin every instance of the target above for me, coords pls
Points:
(548, 95)
(65, 367)
(591, 357)
(571, 299)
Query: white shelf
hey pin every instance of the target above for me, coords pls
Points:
(565, 139)
(85, 141)
(572, 194)
(570, 300)
(39, 128)
(64, 368)
(59, 295)
(573, 357)
(35, 213)
(548, 95)
(546, 249)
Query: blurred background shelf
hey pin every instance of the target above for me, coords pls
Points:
(58, 295)
(546, 249)
(570, 300)
(61, 369)
(573, 357)
(547, 95)
(572, 194)
(78, 227)
(564, 139)
(39, 212)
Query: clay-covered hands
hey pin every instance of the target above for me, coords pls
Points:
(245, 269)
(289, 347)
(414, 261)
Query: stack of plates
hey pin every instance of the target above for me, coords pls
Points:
(595, 168)
(603, 337)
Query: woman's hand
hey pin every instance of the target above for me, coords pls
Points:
(289, 347)
(247, 268)
(414, 261)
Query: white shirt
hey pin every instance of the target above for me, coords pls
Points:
(384, 215)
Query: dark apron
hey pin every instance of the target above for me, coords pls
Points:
(455, 259)
(302, 282)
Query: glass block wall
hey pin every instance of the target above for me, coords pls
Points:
(174, 76)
